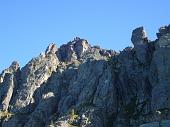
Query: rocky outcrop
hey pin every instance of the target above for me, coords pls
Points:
(140, 42)
(73, 50)
(80, 49)
(163, 30)
(36, 72)
(79, 85)
(161, 64)
(9, 84)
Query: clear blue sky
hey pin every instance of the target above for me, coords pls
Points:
(28, 26)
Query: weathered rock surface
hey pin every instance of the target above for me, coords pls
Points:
(140, 41)
(163, 123)
(79, 85)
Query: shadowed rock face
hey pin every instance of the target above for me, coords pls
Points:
(85, 86)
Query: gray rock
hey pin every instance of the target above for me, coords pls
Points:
(80, 47)
(35, 73)
(140, 41)
(6, 91)
(163, 30)
(66, 53)
(87, 86)
(51, 49)
(41, 114)
(161, 62)
(139, 36)
(9, 83)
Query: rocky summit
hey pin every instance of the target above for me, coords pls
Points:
(80, 85)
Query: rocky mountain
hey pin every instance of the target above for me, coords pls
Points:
(79, 85)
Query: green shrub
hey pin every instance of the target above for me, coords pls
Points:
(73, 117)
(5, 114)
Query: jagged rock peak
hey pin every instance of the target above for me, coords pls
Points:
(139, 36)
(13, 68)
(15, 65)
(80, 49)
(163, 30)
(51, 49)
(81, 46)
(77, 39)
(73, 50)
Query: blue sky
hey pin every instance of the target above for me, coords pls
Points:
(28, 26)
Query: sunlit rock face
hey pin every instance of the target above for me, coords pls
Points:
(81, 85)
(140, 41)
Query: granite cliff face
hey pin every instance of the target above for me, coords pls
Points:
(79, 85)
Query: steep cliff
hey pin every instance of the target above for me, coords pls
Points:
(79, 85)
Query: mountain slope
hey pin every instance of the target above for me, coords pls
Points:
(79, 85)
